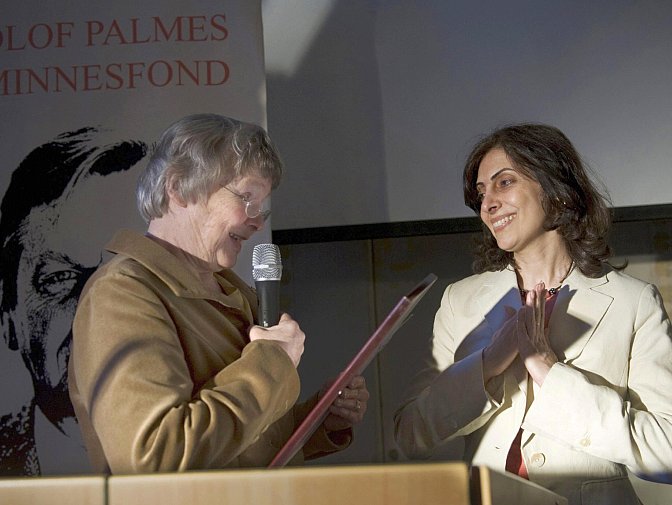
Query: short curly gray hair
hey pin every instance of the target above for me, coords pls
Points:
(200, 153)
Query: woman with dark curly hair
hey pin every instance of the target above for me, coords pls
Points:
(549, 362)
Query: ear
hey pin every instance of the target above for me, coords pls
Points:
(3, 319)
(172, 190)
(9, 331)
(10, 336)
(7, 327)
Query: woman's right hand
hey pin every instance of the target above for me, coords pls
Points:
(533, 343)
(287, 333)
(502, 350)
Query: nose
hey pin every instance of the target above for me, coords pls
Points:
(257, 222)
(489, 204)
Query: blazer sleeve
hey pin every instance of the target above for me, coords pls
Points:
(139, 396)
(632, 425)
(447, 399)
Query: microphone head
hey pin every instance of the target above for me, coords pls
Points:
(266, 263)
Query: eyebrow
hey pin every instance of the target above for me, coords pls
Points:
(494, 176)
(118, 157)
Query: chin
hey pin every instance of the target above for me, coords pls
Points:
(227, 262)
(506, 247)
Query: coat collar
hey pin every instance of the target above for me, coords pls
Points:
(176, 276)
(581, 305)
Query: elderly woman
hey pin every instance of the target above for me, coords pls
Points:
(169, 371)
(549, 362)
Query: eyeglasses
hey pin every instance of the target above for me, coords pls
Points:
(252, 209)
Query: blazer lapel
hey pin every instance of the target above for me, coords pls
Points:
(577, 312)
(500, 299)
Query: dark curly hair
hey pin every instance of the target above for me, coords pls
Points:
(574, 206)
(49, 173)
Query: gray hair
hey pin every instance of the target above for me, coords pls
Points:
(200, 153)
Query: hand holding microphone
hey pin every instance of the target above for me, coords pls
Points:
(286, 333)
(266, 272)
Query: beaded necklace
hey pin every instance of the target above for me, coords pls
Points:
(551, 291)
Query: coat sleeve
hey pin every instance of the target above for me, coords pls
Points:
(632, 425)
(448, 399)
(321, 443)
(139, 396)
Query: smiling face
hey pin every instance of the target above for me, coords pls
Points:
(214, 231)
(511, 205)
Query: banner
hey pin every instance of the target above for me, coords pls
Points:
(85, 88)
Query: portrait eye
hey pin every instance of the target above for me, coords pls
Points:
(57, 283)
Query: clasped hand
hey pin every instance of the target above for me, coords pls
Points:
(523, 334)
(350, 406)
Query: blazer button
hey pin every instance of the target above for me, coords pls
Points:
(538, 459)
(585, 442)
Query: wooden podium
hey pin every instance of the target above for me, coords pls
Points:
(53, 491)
(429, 484)
(450, 483)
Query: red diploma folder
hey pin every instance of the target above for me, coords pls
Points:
(392, 322)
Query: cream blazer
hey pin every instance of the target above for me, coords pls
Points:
(606, 405)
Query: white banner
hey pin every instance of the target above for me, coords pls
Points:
(85, 88)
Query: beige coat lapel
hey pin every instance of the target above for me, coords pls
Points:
(499, 300)
(577, 313)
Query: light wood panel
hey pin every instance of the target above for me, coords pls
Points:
(53, 491)
(409, 484)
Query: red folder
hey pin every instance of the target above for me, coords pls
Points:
(392, 322)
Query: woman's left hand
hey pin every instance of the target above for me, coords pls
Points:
(533, 344)
(350, 406)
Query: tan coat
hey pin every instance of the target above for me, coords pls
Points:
(605, 406)
(163, 376)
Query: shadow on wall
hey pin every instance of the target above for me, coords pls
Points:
(325, 114)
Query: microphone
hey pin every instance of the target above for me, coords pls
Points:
(266, 272)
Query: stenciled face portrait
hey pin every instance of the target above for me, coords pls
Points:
(52, 270)
(62, 206)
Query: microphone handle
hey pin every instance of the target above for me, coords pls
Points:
(268, 293)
